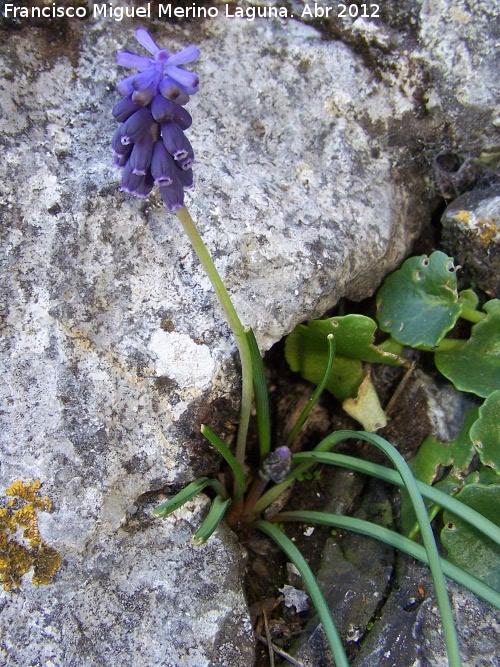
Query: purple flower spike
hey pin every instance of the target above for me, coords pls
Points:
(173, 196)
(163, 109)
(163, 166)
(124, 109)
(150, 144)
(182, 117)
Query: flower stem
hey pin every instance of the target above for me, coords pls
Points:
(235, 324)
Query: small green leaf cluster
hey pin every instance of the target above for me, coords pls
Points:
(418, 305)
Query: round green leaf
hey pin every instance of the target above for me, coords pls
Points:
(485, 432)
(468, 548)
(354, 339)
(475, 367)
(306, 350)
(418, 304)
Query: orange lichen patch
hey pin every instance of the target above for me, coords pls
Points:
(28, 491)
(46, 563)
(486, 228)
(19, 552)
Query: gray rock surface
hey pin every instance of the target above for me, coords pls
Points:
(471, 234)
(114, 350)
(125, 599)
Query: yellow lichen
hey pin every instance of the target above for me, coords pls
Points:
(463, 216)
(45, 564)
(28, 491)
(26, 518)
(485, 228)
(19, 552)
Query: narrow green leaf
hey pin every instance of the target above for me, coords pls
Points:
(261, 396)
(409, 481)
(230, 459)
(291, 551)
(418, 304)
(212, 520)
(186, 494)
(317, 393)
(437, 496)
(397, 541)
(306, 350)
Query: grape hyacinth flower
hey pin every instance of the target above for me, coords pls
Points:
(150, 144)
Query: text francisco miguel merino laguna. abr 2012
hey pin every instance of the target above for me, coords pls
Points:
(150, 10)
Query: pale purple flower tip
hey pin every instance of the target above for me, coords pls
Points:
(170, 79)
(150, 144)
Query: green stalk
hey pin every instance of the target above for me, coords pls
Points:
(234, 322)
(449, 344)
(261, 396)
(471, 314)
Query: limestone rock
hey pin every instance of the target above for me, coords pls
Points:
(471, 234)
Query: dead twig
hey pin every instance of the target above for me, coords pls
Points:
(280, 652)
(397, 393)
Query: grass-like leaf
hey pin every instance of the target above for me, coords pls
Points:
(261, 396)
(317, 393)
(188, 492)
(397, 541)
(230, 459)
(291, 551)
(466, 513)
(306, 350)
(212, 520)
(422, 518)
